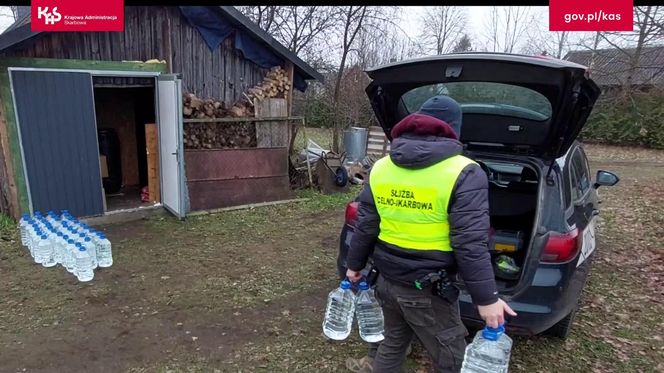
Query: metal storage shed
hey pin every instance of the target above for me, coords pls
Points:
(48, 85)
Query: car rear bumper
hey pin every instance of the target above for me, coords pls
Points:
(548, 300)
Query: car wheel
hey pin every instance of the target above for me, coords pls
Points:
(563, 327)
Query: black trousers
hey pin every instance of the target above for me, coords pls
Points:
(436, 323)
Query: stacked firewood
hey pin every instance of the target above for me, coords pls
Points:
(219, 136)
(200, 108)
(276, 84)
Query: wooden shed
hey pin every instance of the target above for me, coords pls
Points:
(94, 122)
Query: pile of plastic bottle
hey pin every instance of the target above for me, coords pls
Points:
(62, 239)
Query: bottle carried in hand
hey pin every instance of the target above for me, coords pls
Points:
(369, 314)
(489, 352)
(339, 312)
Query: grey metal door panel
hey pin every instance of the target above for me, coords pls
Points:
(58, 132)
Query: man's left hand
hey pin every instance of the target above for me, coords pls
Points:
(353, 276)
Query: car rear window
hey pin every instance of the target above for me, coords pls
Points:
(485, 98)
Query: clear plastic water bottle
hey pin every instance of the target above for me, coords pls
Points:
(58, 252)
(69, 255)
(23, 225)
(92, 251)
(489, 352)
(369, 314)
(33, 234)
(104, 251)
(44, 251)
(339, 312)
(84, 270)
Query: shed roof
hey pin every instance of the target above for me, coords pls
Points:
(610, 67)
(20, 31)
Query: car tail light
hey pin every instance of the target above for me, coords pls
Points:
(351, 213)
(561, 247)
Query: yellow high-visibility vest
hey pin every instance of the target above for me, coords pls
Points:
(412, 203)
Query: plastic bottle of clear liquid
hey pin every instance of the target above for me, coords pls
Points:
(84, 270)
(339, 312)
(33, 234)
(69, 255)
(489, 352)
(104, 251)
(92, 251)
(23, 225)
(58, 252)
(53, 243)
(369, 314)
(44, 251)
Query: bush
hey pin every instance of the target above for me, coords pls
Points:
(638, 121)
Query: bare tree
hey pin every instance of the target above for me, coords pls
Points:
(266, 17)
(300, 26)
(442, 26)
(506, 27)
(352, 22)
(648, 22)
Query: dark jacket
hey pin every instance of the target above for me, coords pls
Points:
(468, 215)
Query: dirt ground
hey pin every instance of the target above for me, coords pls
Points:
(245, 291)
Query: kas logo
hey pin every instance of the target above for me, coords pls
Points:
(50, 18)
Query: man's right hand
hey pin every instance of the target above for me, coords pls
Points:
(494, 314)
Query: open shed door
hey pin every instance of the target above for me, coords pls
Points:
(58, 136)
(171, 148)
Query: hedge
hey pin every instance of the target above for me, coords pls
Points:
(638, 121)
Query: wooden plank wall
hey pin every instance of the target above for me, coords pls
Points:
(222, 74)
(377, 142)
(272, 134)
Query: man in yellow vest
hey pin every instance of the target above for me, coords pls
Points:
(425, 210)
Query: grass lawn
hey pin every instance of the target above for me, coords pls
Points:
(245, 291)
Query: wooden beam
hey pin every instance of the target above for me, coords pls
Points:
(290, 73)
(13, 150)
(53, 63)
(244, 207)
(242, 120)
(152, 149)
(7, 169)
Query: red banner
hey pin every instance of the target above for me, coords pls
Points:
(591, 15)
(77, 15)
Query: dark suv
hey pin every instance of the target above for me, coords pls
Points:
(521, 118)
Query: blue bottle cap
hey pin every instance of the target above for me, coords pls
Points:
(71, 242)
(492, 334)
(81, 249)
(25, 216)
(363, 285)
(66, 237)
(87, 239)
(345, 284)
(37, 213)
(43, 237)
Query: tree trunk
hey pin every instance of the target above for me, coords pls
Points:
(337, 117)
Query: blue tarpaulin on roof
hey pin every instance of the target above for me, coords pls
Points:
(215, 28)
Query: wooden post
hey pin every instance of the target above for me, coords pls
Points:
(271, 134)
(152, 149)
(290, 73)
(9, 183)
